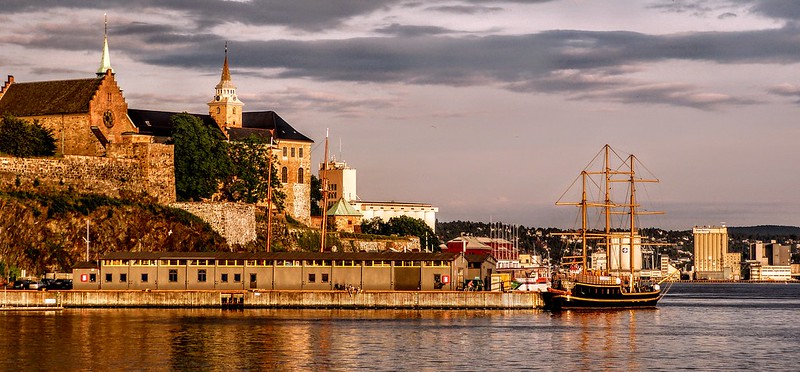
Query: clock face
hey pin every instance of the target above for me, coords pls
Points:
(108, 119)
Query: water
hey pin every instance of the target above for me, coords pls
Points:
(707, 327)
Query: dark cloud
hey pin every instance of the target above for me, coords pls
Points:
(779, 9)
(554, 61)
(397, 29)
(301, 14)
(465, 9)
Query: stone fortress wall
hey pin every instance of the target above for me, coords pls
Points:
(236, 222)
(133, 171)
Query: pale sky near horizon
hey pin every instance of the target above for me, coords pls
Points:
(487, 109)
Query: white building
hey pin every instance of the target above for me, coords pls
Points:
(342, 184)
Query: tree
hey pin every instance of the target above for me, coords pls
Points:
(23, 139)
(201, 157)
(248, 179)
(403, 226)
(316, 196)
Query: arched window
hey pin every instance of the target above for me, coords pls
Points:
(285, 175)
(300, 175)
(217, 110)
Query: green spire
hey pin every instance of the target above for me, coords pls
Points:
(105, 60)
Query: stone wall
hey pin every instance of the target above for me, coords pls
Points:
(279, 299)
(137, 171)
(398, 245)
(236, 222)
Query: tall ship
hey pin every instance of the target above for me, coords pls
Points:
(608, 198)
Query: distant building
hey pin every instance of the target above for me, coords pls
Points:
(343, 217)
(342, 184)
(710, 252)
(769, 261)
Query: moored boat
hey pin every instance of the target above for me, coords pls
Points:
(618, 283)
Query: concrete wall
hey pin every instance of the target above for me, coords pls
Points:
(281, 299)
(235, 222)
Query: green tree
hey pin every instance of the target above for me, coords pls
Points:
(316, 196)
(248, 180)
(403, 226)
(23, 139)
(201, 157)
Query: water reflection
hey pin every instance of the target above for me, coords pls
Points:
(670, 337)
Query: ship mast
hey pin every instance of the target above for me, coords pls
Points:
(632, 159)
(324, 195)
(607, 175)
(584, 211)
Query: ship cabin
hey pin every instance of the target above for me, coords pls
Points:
(273, 271)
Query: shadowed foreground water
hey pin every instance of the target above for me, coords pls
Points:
(720, 327)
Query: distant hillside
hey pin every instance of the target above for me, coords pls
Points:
(765, 231)
(46, 232)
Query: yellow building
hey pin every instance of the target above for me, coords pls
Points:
(710, 253)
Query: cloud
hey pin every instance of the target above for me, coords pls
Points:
(299, 14)
(397, 29)
(786, 90)
(465, 9)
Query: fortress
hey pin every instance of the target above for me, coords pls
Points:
(104, 147)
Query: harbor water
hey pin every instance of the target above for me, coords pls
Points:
(700, 326)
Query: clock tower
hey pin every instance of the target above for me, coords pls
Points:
(226, 108)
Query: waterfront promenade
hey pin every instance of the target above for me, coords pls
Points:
(277, 299)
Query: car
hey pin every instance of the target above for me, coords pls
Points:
(27, 284)
(60, 284)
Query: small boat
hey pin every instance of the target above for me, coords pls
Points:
(618, 284)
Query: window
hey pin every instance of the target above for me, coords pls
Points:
(173, 276)
(237, 278)
(300, 152)
(223, 278)
(292, 151)
(312, 278)
(285, 151)
(201, 275)
(284, 174)
(217, 110)
(123, 278)
(300, 175)
(253, 277)
(145, 278)
(92, 278)
(324, 278)
(234, 112)
(109, 278)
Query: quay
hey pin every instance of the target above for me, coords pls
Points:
(245, 299)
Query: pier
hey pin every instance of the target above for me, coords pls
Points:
(276, 299)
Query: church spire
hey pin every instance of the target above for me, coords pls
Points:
(226, 72)
(226, 108)
(105, 60)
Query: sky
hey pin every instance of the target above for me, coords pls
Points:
(487, 109)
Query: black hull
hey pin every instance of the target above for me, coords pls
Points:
(594, 297)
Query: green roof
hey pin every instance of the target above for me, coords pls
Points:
(342, 208)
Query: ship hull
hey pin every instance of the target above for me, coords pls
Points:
(593, 297)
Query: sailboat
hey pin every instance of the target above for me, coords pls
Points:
(617, 284)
